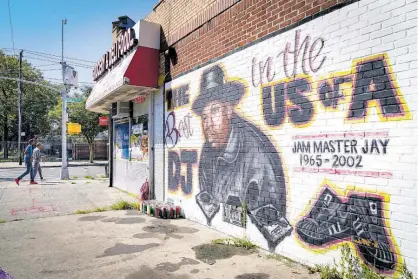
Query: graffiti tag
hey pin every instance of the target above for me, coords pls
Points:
(185, 128)
(173, 132)
(172, 135)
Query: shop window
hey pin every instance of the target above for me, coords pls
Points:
(139, 138)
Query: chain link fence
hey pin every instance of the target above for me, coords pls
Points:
(77, 151)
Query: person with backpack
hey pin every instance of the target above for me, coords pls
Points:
(28, 163)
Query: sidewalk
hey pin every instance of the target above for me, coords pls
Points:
(130, 245)
(115, 244)
(55, 197)
(12, 165)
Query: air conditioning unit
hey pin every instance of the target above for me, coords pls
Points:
(120, 109)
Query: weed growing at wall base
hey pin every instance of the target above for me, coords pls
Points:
(350, 267)
(237, 242)
(2, 221)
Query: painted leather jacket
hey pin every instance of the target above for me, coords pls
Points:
(249, 168)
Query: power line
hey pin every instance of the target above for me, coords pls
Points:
(36, 58)
(61, 79)
(46, 70)
(48, 79)
(45, 65)
(11, 27)
(58, 62)
(68, 58)
(52, 56)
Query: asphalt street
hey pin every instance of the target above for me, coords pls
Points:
(51, 173)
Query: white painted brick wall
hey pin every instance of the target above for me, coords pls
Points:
(357, 31)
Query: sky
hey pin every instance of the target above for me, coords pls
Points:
(87, 34)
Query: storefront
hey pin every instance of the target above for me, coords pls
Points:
(126, 80)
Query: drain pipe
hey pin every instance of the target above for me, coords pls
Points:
(152, 159)
(164, 143)
(110, 143)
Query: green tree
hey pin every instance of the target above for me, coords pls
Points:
(36, 101)
(89, 120)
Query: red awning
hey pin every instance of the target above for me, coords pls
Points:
(134, 75)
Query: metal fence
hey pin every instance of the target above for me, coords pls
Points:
(9, 151)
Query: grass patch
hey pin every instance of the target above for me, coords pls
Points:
(100, 209)
(75, 177)
(237, 242)
(102, 176)
(72, 182)
(124, 205)
(89, 177)
(87, 211)
(83, 211)
(2, 221)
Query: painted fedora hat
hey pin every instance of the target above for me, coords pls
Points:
(214, 87)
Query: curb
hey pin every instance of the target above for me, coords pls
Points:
(58, 166)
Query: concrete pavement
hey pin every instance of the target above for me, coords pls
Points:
(42, 238)
(55, 197)
(130, 245)
(10, 165)
(53, 173)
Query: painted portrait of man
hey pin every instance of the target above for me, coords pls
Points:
(238, 161)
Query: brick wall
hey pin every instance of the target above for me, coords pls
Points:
(310, 131)
(239, 23)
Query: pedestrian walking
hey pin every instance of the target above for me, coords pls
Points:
(36, 163)
(28, 163)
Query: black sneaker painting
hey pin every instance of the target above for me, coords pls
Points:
(360, 220)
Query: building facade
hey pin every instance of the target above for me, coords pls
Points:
(292, 123)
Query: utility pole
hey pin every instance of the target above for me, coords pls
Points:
(19, 107)
(64, 164)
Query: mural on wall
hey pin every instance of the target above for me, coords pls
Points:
(232, 164)
(122, 141)
(358, 217)
(174, 132)
(238, 161)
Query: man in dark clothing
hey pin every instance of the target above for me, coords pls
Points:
(238, 160)
(28, 162)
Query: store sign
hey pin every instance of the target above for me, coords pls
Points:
(103, 121)
(139, 100)
(124, 43)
